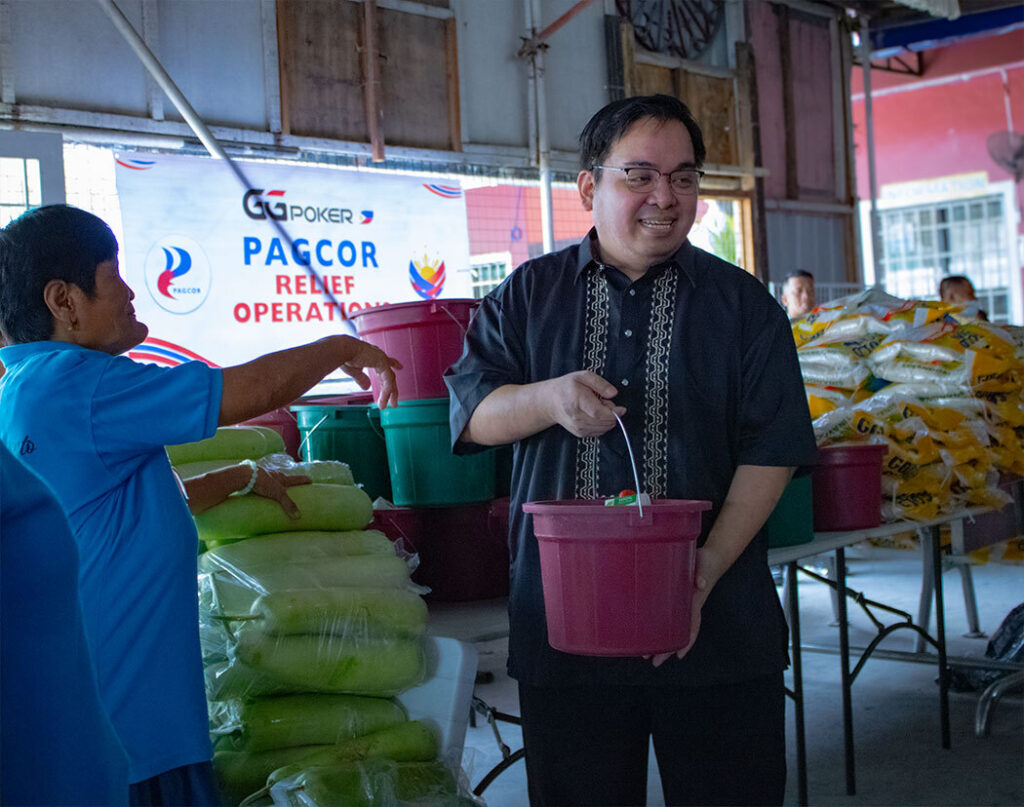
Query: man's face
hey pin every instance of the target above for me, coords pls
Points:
(637, 230)
(959, 293)
(798, 296)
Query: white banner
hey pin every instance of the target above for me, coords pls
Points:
(225, 274)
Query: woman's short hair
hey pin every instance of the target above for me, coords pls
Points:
(54, 242)
(611, 122)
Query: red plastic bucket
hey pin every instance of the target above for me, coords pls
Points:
(847, 485)
(463, 551)
(426, 336)
(616, 584)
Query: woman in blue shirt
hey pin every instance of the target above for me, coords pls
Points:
(94, 424)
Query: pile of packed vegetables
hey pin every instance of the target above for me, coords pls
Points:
(940, 388)
(310, 627)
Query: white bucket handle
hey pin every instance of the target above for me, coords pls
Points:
(632, 461)
(307, 435)
(454, 318)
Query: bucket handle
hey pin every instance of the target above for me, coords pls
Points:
(377, 430)
(305, 438)
(632, 461)
(454, 318)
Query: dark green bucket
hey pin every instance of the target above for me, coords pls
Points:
(424, 472)
(350, 434)
(792, 520)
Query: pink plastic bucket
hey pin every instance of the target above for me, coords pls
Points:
(426, 336)
(847, 486)
(616, 584)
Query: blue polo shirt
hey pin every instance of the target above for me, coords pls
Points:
(56, 741)
(94, 427)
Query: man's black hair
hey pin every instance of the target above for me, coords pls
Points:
(611, 122)
(800, 273)
(54, 242)
(952, 280)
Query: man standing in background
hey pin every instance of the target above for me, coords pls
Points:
(798, 295)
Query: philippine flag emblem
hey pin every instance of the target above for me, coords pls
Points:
(427, 278)
(367, 216)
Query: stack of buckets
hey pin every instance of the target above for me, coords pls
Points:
(452, 510)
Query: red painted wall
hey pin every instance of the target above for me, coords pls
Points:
(506, 218)
(937, 125)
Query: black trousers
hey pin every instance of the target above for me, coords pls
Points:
(714, 745)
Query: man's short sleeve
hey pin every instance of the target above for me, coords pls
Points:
(493, 356)
(136, 407)
(775, 422)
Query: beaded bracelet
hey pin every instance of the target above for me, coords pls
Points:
(252, 480)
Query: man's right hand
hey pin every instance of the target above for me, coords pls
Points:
(581, 403)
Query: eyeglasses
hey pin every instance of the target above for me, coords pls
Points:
(639, 179)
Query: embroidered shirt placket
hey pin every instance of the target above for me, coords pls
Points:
(595, 348)
(656, 415)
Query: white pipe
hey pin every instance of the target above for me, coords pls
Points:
(137, 44)
(531, 93)
(543, 148)
(869, 135)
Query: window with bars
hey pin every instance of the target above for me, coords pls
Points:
(487, 276)
(20, 187)
(925, 243)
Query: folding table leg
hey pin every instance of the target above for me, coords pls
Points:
(940, 635)
(793, 608)
(844, 669)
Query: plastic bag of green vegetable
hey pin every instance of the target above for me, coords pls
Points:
(273, 549)
(321, 507)
(372, 783)
(231, 592)
(341, 665)
(293, 720)
(240, 773)
(229, 443)
(348, 611)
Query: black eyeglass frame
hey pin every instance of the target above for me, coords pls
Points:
(626, 169)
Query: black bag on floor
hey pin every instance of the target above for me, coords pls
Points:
(1006, 644)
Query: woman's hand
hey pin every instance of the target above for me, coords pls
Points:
(274, 485)
(364, 355)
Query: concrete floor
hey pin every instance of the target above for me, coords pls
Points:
(898, 754)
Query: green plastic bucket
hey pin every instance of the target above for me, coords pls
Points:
(424, 472)
(350, 434)
(792, 520)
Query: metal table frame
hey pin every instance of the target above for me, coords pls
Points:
(837, 542)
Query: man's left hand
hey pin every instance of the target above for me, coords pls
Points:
(702, 584)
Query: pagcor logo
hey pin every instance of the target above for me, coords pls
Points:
(259, 204)
(177, 274)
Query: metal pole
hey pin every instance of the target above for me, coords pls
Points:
(572, 12)
(152, 64)
(543, 147)
(371, 96)
(869, 134)
(531, 93)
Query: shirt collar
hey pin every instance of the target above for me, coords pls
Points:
(14, 353)
(684, 258)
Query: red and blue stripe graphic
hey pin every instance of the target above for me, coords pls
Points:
(444, 191)
(134, 164)
(160, 351)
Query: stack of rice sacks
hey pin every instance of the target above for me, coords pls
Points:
(309, 629)
(937, 386)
